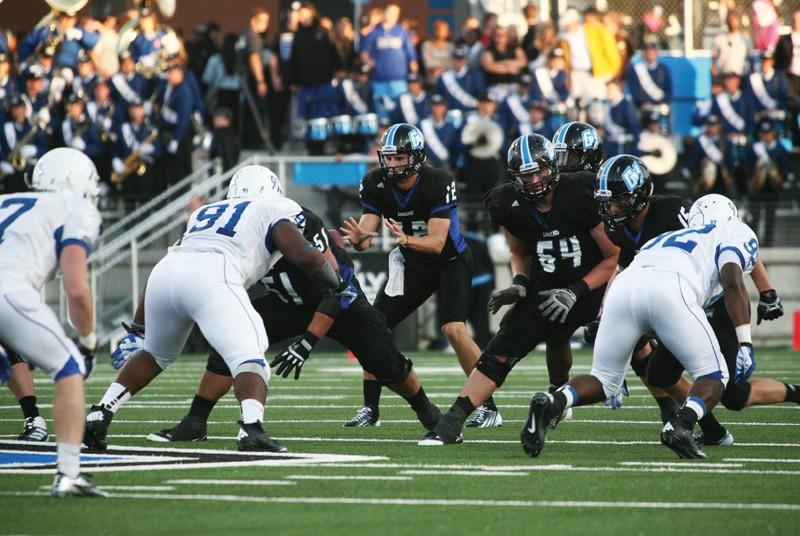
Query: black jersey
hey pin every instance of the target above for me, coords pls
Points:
(665, 213)
(290, 284)
(434, 195)
(560, 240)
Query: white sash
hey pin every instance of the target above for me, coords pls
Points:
(66, 131)
(456, 91)
(11, 134)
(353, 97)
(433, 142)
(129, 137)
(761, 93)
(725, 106)
(168, 114)
(711, 150)
(542, 75)
(121, 84)
(614, 130)
(91, 109)
(648, 84)
(517, 109)
(408, 108)
(760, 148)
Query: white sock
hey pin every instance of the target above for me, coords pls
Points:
(569, 393)
(116, 395)
(252, 411)
(69, 459)
(697, 405)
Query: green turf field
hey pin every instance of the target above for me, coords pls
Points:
(604, 472)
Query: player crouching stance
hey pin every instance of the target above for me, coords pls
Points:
(664, 291)
(227, 247)
(53, 228)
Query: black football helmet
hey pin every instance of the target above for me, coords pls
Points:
(402, 138)
(530, 154)
(578, 147)
(623, 189)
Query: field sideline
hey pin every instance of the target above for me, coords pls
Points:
(604, 472)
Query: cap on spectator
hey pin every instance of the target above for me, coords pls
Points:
(101, 81)
(3, 57)
(557, 52)
(525, 79)
(135, 103)
(486, 97)
(538, 105)
(35, 72)
(225, 112)
(712, 119)
(125, 54)
(48, 52)
(651, 117)
(414, 77)
(437, 99)
(730, 74)
(15, 100)
(570, 16)
(75, 96)
(461, 52)
(650, 42)
(83, 57)
(765, 125)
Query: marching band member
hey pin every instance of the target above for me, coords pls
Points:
(462, 84)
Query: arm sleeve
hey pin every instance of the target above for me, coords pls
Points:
(369, 201)
(82, 227)
(443, 200)
(738, 244)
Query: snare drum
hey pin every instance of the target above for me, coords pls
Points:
(341, 125)
(366, 125)
(317, 129)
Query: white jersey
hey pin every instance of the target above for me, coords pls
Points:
(34, 229)
(241, 229)
(699, 253)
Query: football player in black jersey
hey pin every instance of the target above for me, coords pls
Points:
(561, 259)
(288, 300)
(632, 217)
(419, 207)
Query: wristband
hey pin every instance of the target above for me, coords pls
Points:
(310, 338)
(521, 280)
(579, 288)
(743, 334)
(89, 341)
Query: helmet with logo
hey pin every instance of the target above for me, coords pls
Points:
(66, 170)
(402, 138)
(712, 209)
(254, 181)
(623, 189)
(578, 147)
(529, 154)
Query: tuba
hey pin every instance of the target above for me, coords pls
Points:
(55, 37)
(484, 135)
(153, 64)
(658, 153)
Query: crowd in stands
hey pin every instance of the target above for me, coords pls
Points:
(140, 102)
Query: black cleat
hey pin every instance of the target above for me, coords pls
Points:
(366, 416)
(430, 417)
(64, 486)
(432, 439)
(446, 432)
(541, 417)
(677, 436)
(189, 429)
(252, 438)
(97, 422)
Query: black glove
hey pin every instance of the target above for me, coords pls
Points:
(507, 296)
(769, 306)
(88, 357)
(560, 301)
(295, 356)
(590, 332)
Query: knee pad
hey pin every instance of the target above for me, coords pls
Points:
(639, 366)
(494, 369)
(735, 396)
(255, 366)
(217, 365)
(397, 374)
(663, 369)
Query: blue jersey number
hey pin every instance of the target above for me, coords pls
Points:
(673, 239)
(24, 206)
(209, 216)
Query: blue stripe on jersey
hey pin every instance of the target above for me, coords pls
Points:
(57, 234)
(268, 239)
(442, 208)
(455, 231)
(481, 280)
(603, 176)
(526, 152)
(76, 242)
(730, 248)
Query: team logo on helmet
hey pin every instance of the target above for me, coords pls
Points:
(633, 177)
(589, 139)
(416, 139)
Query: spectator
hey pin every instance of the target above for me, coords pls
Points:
(76, 38)
(389, 52)
(514, 109)
(225, 139)
(221, 77)
(733, 106)
(787, 58)
(175, 125)
(707, 165)
(536, 122)
(622, 126)
(106, 52)
(441, 137)
(503, 63)
(280, 98)
(86, 77)
(545, 43)
(652, 27)
(531, 13)
(649, 81)
(579, 59)
(605, 56)
(414, 34)
(136, 135)
(550, 82)
(343, 40)
(437, 53)
(490, 23)
(373, 19)
(461, 84)
(128, 86)
(251, 47)
(765, 25)
(731, 49)
(17, 127)
(471, 39)
(413, 106)
(767, 88)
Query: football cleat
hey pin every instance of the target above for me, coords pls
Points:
(64, 486)
(678, 437)
(432, 439)
(446, 432)
(253, 438)
(430, 417)
(485, 417)
(725, 441)
(35, 429)
(541, 417)
(565, 416)
(366, 416)
(97, 422)
(189, 429)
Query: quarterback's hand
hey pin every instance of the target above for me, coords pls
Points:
(295, 356)
(769, 306)
(506, 296)
(615, 401)
(397, 231)
(745, 363)
(590, 332)
(354, 233)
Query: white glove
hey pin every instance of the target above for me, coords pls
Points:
(6, 168)
(118, 166)
(148, 108)
(67, 75)
(74, 34)
(172, 148)
(28, 151)
(146, 149)
(78, 143)
(107, 124)
(44, 115)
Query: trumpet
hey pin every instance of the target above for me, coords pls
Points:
(134, 163)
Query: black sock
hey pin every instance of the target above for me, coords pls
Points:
(669, 408)
(489, 403)
(419, 402)
(201, 407)
(462, 408)
(792, 393)
(372, 393)
(28, 405)
(559, 401)
(711, 427)
(688, 416)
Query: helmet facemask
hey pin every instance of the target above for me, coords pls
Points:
(627, 205)
(531, 187)
(401, 172)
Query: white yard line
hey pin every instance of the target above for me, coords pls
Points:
(462, 473)
(206, 482)
(346, 477)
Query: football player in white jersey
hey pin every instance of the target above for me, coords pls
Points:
(664, 290)
(227, 246)
(50, 229)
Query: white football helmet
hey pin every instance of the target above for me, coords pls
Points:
(712, 208)
(254, 181)
(66, 170)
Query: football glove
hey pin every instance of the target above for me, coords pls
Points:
(507, 296)
(615, 401)
(560, 301)
(745, 363)
(769, 306)
(88, 358)
(128, 345)
(5, 367)
(590, 332)
(295, 356)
